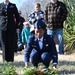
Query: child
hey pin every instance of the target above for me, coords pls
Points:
(25, 33)
(36, 14)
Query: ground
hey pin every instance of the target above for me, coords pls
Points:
(66, 64)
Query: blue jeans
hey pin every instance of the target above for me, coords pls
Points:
(59, 36)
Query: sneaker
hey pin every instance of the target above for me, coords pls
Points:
(44, 69)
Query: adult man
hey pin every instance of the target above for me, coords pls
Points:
(40, 47)
(54, 16)
(8, 29)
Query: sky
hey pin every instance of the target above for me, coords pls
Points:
(17, 2)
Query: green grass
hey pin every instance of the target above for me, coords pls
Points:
(64, 67)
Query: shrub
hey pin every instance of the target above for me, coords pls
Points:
(37, 71)
(7, 69)
(69, 26)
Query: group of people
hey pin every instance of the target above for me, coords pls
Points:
(41, 28)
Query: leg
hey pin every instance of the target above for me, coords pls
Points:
(35, 57)
(46, 58)
(11, 46)
(3, 39)
(59, 35)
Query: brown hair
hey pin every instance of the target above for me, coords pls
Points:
(37, 4)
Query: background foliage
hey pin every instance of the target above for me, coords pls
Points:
(69, 26)
(7, 69)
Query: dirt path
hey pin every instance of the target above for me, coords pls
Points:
(20, 56)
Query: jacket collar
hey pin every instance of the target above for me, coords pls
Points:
(4, 4)
(43, 37)
(54, 4)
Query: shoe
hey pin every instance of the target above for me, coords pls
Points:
(44, 69)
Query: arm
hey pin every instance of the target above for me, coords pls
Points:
(16, 16)
(28, 50)
(46, 15)
(41, 15)
(53, 51)
(32, 18)
(64, 13)
(23, 36)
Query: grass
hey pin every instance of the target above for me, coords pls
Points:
(66, 64)
(64, 67)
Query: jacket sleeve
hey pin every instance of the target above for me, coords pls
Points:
(53, 50)
(46, 15)
(28, 49)
(32, 18)
(23, 36)
(64, 13)
(16, 16)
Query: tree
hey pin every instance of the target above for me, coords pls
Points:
(28, 6)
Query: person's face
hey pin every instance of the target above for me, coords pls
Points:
(54, 1)
(5, 0)
(37, 9)
(39, 32)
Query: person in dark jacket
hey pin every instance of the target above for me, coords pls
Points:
(8, 36)
(19, 38)
(40, 47)
(22, 20)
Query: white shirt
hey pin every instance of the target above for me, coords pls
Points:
(6, 4)
(40, 42)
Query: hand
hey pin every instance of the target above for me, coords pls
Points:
(38, 17)
(26, 64)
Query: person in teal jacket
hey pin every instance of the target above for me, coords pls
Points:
(25, 32)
